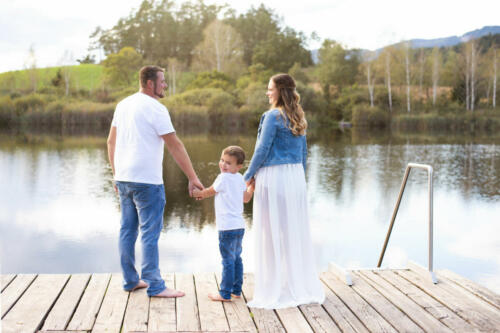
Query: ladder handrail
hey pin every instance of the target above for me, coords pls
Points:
(396, 208)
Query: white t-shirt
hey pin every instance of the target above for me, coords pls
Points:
(140, 120)
(229, 201)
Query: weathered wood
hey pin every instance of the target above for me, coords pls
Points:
(212, 316)
(423, 318)
(32, 308)
(293, 320)
(318, 318)
(187, 308)
(14, 291)
(342, 315)
(237, 313)
(386, 309)
(358, 305)
(480, 291)
(341, 273)
(265, 320)
(6, 279)
(110, 317)
(427, 302)
(137, 312)
(462, 306)
(162, 315)
(88, 308)
(65, 306)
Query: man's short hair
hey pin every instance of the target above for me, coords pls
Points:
(149, 73)
(235, 151)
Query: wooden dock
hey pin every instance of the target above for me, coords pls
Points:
(378, 301)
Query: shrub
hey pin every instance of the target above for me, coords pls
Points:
(373, 117)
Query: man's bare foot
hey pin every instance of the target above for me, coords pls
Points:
(235, 296)
(170, 293)
(141, 284)
(218, 298)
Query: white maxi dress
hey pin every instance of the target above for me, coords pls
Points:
(285, 271)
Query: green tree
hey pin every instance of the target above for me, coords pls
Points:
(212, 79)
(337, 66)
(120, 68)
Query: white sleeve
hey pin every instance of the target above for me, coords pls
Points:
(219, 183)
(114, 122)
(162, 122)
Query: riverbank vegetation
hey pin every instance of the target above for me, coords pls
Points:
(218, 64)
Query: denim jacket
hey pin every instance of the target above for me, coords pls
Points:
(276, 144)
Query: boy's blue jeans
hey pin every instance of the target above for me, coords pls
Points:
(232, 265)
(142, 207)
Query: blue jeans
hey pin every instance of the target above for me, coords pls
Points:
(232, 266)
(142, 207)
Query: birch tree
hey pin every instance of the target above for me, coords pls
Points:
(473, 67)
(436, 65)
(221, 49)
(65, 62)
(386, 57)
(174, 68)
(370, 76)
(30, 65)
(467, 76)
(494, 98)
(408, 83)
(421, 65)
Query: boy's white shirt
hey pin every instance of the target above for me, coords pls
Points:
(230, 188)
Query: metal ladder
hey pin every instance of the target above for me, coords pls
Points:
(393, 218)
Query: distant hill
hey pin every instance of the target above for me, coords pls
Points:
(439, 42)
(455, 40)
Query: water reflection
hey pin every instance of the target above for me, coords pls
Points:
(58, 212)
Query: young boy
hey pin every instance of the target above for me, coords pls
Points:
(230, 192)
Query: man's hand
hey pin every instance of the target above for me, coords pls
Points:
(197, 194)
(194, 184)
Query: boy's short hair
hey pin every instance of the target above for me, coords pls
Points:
(235, 151)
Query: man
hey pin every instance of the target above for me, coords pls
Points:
(141, 125)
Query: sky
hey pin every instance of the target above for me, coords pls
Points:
(53, 27)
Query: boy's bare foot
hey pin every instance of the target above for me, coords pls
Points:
(235, 296)
(141, 284)
(170, 293)
(218, 298)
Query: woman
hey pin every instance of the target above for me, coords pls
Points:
(285, 273)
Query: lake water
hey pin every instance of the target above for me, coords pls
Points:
(59, 214)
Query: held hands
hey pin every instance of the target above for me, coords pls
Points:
(197, 194)
(250, 185)
(195, 184)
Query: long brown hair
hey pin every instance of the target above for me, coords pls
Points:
(288, 102)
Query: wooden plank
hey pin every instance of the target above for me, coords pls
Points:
(423, 318)
(212, 316)
(6, 280)
(480, 291)
(14, 291)
(88, 308)
(32, 308)
(341, 273)
(358, 305)
(137, 312)
(386, 309)
(187, 308)
(293, 320)
(427, 302)
(162, 315)
(345, 319)
(265, 320)
(318, 318)
(237, 313)
(66, 304)
(470, 311)
(112, 311)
